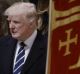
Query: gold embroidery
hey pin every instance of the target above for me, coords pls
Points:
(77, 65)
(68, 42)
(71, 1)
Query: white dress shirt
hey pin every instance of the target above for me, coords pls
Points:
(28, 42)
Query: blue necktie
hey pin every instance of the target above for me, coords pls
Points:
(19, 60)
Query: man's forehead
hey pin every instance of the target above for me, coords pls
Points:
(15, 17)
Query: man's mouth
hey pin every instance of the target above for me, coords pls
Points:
(12, 31)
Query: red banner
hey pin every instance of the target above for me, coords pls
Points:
(65, 38)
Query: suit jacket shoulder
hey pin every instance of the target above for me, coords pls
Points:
(7, 46)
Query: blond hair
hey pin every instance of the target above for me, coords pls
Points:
(22, 8)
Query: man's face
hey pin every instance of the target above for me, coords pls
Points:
(20, 27)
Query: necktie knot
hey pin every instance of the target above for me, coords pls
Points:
(22, 44)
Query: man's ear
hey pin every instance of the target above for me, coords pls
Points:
(33, 24)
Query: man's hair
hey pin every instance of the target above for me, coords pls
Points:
(26, 8)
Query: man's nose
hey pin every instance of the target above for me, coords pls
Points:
(11, 25)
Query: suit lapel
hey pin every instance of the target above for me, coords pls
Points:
(9, 55)
(34, 54)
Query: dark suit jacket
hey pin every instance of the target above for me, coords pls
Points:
(36, 61)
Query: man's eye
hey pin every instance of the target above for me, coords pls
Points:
(16, 22)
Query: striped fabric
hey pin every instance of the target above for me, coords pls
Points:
(19, 60)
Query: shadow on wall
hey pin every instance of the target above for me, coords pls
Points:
(3, 26)
(42, 8)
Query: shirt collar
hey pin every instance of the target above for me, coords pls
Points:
(31, 39)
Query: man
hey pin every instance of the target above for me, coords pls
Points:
(31, 59)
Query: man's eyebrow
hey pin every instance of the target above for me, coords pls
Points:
(16, 21)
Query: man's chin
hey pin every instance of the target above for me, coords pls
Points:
(15, 36)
